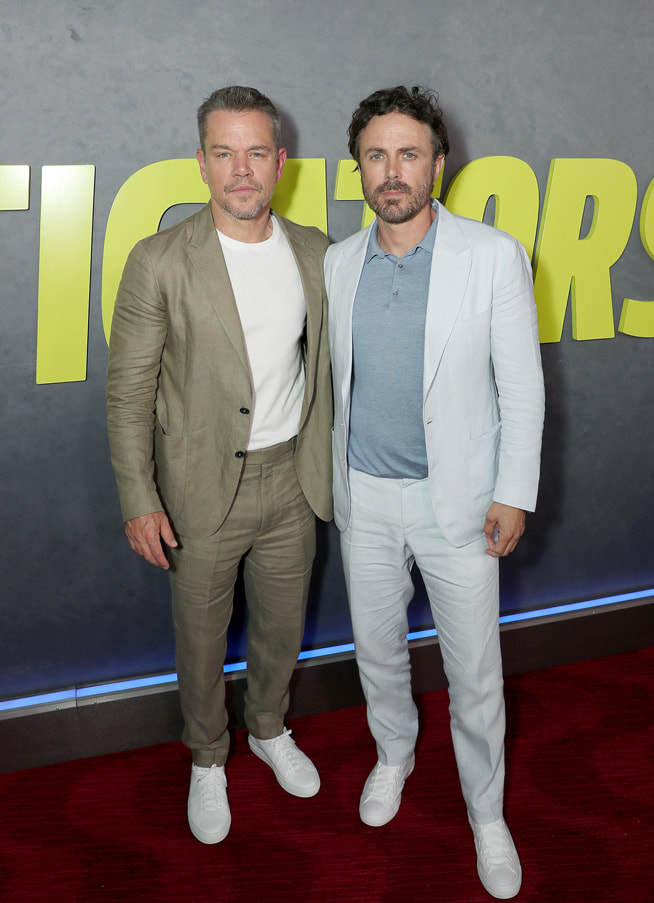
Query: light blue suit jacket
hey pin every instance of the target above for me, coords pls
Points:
(483, 397)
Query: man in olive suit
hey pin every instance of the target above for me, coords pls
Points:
(219, 415)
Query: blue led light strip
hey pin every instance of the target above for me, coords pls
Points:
(70, 696)
(44, 699)
(136, 683)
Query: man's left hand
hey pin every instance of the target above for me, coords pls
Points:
(503, 528)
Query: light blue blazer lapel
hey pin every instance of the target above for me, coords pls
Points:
(207, 258)
(342, 290)
(450, 271)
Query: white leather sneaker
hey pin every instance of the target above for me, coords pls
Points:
(382, 792)
(498, 863)
(294, 771)
(209, 817)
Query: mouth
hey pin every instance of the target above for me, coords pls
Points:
(242, 188)
(393, 189)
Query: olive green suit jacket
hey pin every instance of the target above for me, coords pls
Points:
(179, 386)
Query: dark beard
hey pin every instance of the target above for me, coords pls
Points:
(398, 210)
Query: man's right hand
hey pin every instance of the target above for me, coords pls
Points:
(146, 535)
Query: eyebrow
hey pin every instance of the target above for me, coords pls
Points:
(214, 147)
(383, 150)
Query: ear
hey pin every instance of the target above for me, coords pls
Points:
(438, 165)
(203, 169)
(281, 159)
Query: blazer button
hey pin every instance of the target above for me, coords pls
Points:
(239, 454)
(244, 410)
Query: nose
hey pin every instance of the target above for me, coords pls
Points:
(392, 168)
(242, 165)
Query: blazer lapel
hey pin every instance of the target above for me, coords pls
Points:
(450, 271)
(207, 258)
(343, 288)
(310, 270)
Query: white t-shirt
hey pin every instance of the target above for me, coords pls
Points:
(272, 308)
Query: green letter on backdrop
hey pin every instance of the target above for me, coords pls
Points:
(567, 264)
(64, 273)
(638, 316)
(514, 186)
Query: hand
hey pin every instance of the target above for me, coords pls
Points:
(503, 528)
(146, 534)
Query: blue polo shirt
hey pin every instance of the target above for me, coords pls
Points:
(387, 434)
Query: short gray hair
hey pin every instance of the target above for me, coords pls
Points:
(239, 99)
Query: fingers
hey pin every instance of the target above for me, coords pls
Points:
(501, 543)
(503, 528)
(145, 535)
(167, 532)
(503, 546)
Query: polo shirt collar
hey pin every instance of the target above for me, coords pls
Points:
(426, 243)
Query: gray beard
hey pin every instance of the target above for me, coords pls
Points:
(237, 212)
(245, 214)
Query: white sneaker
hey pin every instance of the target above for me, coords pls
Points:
(498, 863)
(209, 817)
(294, 771)
(382, 792)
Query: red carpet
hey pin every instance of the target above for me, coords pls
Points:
(579, 801)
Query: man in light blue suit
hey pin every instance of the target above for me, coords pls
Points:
(439, 403)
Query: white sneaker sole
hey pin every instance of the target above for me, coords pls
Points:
(293, 789)
(205, 836)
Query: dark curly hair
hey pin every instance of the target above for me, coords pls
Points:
(419, 103)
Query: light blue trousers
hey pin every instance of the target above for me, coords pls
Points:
(392, 526)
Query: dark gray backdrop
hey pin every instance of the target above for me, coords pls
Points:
(117, 85)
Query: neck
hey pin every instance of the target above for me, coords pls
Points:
(251, 231)
(398, 238)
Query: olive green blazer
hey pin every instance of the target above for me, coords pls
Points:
(179, 387)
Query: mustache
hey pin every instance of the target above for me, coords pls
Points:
(249, 182)
(393, 185)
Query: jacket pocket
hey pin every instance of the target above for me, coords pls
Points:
(483, 462)
(170, 458)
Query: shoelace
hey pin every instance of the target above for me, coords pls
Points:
(283, 747)
(494, 847)
(210, 799)
(385, 781)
